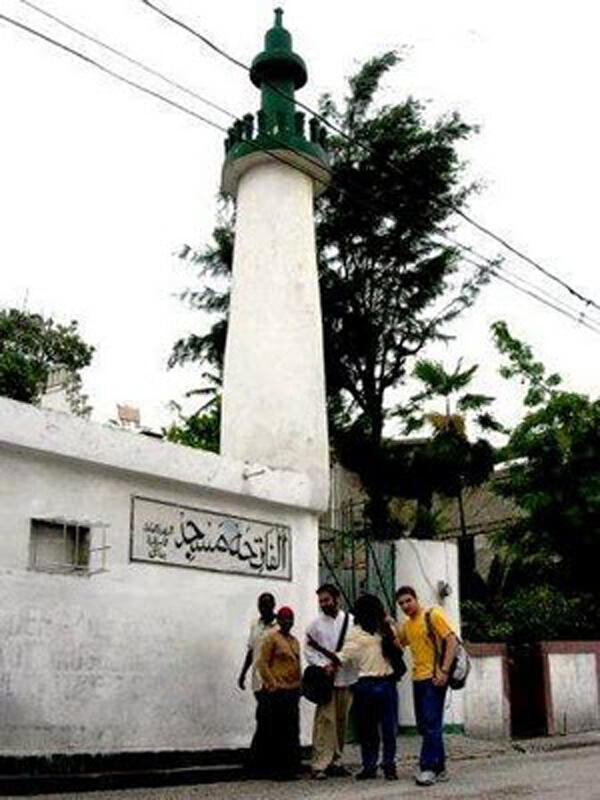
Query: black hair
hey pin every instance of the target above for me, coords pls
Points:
(266, 596)
(329, 588)
(369, 613)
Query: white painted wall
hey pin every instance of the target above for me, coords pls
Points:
(422, 564)
(274, 354)
(144, 656)
(486, 706)
(574, 691)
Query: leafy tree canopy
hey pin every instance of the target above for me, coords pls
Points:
(31, 347)
(554, 477)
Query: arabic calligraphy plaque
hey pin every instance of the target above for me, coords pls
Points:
(167, 533)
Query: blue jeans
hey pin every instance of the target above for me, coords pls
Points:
(375, 708)
(429, 711)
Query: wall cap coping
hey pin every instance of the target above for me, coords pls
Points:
(566, 647)
(483, 649)
(24, 427)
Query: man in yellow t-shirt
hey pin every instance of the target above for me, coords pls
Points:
(431, 665)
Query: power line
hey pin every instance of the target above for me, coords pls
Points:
(486, 268)
(176, 21)
(274, 139)
(587, 300)
(236, 61)
(112, 73)
(151, 92)
(579, 318)
(180, 23)
(158, 95)
(546, 302)
(131, 60)
(501, 267)
(136, 85)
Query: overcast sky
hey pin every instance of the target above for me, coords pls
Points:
(100, 185)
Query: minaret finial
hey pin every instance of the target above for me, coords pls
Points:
(278, 17)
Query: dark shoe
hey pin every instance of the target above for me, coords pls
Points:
(319, 775)
(366, 775)
(286, 776)
(390, 774)
(338, 771)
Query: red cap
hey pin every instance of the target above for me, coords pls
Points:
(285, 612)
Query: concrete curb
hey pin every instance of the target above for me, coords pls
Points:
(30, 785)
(552, 743)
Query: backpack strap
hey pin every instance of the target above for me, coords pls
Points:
(323, 650)
(431, 634)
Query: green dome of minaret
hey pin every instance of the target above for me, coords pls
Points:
(278, 61)
(277, 72)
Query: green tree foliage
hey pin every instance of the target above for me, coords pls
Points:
(388, 286)
(201, 430)
(450, 461)
(547, 560)
(554, 478)
(31, 347)
(532, 614)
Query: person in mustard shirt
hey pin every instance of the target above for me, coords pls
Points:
(431, 665)
(279, 668)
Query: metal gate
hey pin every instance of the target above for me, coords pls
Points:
(357, 564)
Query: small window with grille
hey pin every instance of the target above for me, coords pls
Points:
(63, 546)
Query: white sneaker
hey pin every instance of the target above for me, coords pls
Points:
(425, 778)
(442, 777)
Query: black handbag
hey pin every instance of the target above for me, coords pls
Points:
(394, 655)
(396, 659)
(317, 684)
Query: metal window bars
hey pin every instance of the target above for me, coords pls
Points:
(78, 555)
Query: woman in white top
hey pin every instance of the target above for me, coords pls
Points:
(375, 696)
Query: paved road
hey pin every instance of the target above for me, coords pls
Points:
(566, 774)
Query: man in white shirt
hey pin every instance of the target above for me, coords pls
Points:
(329, 728)
(259, 757)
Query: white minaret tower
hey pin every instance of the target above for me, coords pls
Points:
(274, 408)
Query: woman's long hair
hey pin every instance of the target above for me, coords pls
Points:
(369, 613)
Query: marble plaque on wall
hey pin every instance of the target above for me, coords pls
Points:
(177, 535)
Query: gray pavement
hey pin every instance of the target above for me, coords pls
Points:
(552, 768)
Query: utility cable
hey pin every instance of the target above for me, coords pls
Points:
(131, 60)
(111, 72)
(274, 139)
(587, 300)
(502, 268)
(579, 318)
(277, 157)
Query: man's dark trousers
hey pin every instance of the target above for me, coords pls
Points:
(260, 759)
(429, 711)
